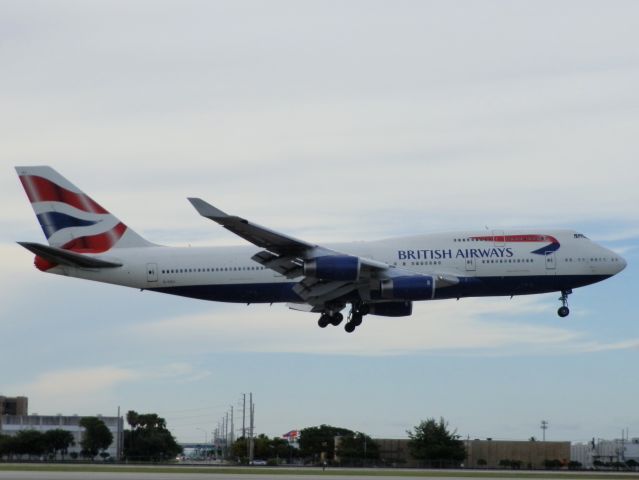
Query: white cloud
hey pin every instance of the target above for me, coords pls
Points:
(96, 386)
(181, 371)
(75, 385)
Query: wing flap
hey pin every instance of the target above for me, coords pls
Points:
(290, 267)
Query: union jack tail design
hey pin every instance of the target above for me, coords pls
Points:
(69, 218)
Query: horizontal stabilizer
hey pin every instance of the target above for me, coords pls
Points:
(66, 257)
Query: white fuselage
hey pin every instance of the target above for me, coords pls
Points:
(499, 263)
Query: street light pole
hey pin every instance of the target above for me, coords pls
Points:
(544, 427)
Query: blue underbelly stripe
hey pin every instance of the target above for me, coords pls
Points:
(467, 287)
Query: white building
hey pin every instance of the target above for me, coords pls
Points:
(606, 451)
(11, 424)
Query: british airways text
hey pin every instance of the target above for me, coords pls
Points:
(506, 252)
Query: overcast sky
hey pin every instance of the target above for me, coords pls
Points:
(330, 121)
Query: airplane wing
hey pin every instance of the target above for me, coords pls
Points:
(288, 255)
(256, 234)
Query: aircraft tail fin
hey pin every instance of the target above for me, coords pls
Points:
(70, 219)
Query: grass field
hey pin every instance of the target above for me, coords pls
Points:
(195, 470)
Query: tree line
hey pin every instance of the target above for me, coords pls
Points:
(50, 444)
(431, 443)
(149, 440)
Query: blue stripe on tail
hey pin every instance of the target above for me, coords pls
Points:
(51, 222)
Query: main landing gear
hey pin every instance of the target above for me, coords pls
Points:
(330, 318)
(564, 310)
(335, 318)
(356, 316)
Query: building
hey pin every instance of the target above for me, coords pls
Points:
(11, 424)
(394, 452)
(605, 451)
(484, 453)
(14, 405)
(528, 454)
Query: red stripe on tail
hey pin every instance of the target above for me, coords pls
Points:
(39, 189)
(97, 243)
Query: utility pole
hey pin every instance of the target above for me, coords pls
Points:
(118, 443)
(251, 426)
(244, 416)
(232, 426)
(544, 427)
(226, 434)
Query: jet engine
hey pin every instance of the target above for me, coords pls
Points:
(333, 267)
(410, 287)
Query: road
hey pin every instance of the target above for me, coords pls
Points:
(194, 473)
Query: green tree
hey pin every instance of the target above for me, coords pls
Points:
(28, 442)
(435, 445)
(315, 440)
(149, 439)
(357, 449)
(133, 418)
(58, 441)
(239, 449)
(261, 446)
(482, 462)
(264, 448)
(6, 447)
(280, 448)
(97, 436)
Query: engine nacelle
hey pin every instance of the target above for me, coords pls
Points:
(413, 287)
(391, 309)
(333, 267)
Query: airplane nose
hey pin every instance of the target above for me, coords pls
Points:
(622, 264)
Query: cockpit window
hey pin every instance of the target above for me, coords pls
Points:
(580, 235)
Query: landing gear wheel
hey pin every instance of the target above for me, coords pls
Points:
(355, 318)
(323, 321)
(564, 310)
(337, 319)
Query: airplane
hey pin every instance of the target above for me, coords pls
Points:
(382, 277)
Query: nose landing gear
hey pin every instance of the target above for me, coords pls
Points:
(564, 310)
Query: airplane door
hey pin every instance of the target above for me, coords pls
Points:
(151, 272)
(499, 238)
(551, 263)
(470, 264)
